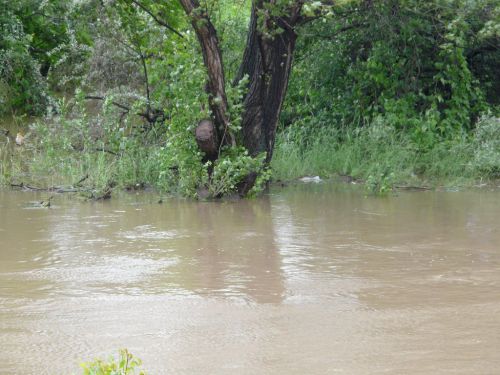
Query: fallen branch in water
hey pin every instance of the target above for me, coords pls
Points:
(90, 193)
(82, 179)
(404, 187)
(52, 189)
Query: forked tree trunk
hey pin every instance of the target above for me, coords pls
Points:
(267, 61)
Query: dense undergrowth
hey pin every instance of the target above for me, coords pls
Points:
(396, 93)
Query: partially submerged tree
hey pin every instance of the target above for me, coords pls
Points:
(264, 72)
(267, 62)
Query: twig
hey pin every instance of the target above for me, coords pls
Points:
(146, 78)
(106, 150)
(151, 115)
(93, 97)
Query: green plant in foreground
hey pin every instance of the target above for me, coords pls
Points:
(126, 364)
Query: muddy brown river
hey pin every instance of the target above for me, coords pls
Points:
(308, 280)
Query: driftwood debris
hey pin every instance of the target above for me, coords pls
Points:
(89, 193)
(413, 188)
(76, 188)
(52, 189)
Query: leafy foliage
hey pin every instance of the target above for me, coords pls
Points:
(408, 61)
(486, 145)
(391, 91)
(21, 84)
(126, 364)
(36, 38)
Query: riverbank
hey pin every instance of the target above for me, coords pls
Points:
(53, 157)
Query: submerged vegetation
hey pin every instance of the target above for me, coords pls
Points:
(389, 92)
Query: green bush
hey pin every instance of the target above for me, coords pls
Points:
(22, 88)
(426, 66)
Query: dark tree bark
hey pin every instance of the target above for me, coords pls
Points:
(267, 61)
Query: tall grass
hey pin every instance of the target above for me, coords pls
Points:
(378, 151)
(59, 153)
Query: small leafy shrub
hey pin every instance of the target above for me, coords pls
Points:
(380, 184)
(232, 168)
(126, 364)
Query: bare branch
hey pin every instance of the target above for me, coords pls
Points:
(121, 106)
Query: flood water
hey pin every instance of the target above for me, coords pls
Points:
(308, 280)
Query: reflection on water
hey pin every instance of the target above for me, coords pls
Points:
(311, 279)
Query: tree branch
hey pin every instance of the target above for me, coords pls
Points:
(157, 19)
(121, 106)
(146, 78)
(151, 115)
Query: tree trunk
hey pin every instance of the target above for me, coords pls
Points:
(267, 61)
(212, 58)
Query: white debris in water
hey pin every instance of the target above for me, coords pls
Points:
(314, 179)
